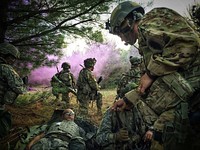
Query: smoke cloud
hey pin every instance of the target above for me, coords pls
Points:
(107, 57)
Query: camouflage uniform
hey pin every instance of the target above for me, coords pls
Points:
(130, 79)
(59, 135)
(112, 122)
(11, 85)
(169, 45)
(174, 63)
(61, 82)
(88, 88)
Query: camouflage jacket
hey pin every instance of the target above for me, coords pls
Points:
(86, 82)
(113, 121)
(69, 128)
(10, 82)
(168, 42)
(66, 77)
(133, 75)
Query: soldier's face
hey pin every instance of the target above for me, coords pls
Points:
(131, 35)
(92, 68)
(68, 115)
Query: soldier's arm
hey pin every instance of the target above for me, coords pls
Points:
(73, 80)
(34, 140)
(104, 134)
(14, 81)
(92, 82)
(170, 49)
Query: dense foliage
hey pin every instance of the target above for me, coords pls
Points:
(38, 27)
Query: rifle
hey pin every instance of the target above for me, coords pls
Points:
(69, 88)
(57, 69)
(99, 80)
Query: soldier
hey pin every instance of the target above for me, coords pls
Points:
(169, 45)
(59, 135)
(121, 130)
(11, 85)
(63, 82)
(130, 79)
(88, 88)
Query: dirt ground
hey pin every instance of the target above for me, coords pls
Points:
(40, 110)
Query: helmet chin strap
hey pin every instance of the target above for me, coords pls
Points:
(128, 28)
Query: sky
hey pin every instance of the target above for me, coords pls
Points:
(178, 5)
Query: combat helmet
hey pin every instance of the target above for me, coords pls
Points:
(65, 65)
(134, 60)
(121, 12)
(9, 49)
(89, 62)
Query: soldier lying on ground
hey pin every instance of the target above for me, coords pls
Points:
(60, 135)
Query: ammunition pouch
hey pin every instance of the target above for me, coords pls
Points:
(179, 85)
(169, 137)
(181, 121)
(175, 133)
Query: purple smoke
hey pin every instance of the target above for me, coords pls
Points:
(106, 55)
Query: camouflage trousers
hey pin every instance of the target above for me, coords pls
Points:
(56, 91)
(84, 101)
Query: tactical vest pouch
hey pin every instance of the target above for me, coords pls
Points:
(181, 121)
(169, 137)
(175, 134)
(179, 85)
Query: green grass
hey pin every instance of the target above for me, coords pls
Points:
(43, 102)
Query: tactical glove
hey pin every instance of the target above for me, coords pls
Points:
(121, 135)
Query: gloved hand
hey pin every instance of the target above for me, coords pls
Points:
(121, 135)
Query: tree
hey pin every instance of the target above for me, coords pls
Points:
(38, 27)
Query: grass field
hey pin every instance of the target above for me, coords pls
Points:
(38, 105)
